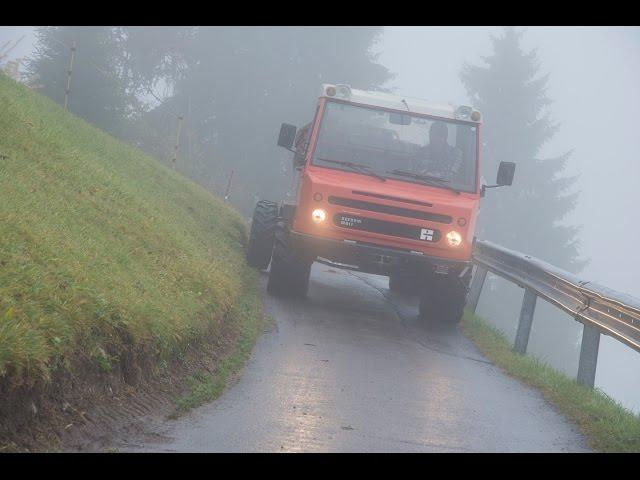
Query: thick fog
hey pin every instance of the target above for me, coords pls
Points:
(593, 79)
(594, 75)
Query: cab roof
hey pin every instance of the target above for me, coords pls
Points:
(397, 102)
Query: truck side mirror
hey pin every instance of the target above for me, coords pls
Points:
(287, 136)
(506, 170)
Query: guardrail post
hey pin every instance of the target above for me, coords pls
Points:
(476, 288)
(588, 356)
(526, 319)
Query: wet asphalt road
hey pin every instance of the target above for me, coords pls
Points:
(351, 369)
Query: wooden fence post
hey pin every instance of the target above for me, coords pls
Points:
(175, 148)
(69, 72)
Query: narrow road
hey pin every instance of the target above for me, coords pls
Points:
(351, 369)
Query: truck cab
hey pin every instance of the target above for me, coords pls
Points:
(388, 185)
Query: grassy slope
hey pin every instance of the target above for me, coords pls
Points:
(102, 249)
(608, 426)
(205, 387)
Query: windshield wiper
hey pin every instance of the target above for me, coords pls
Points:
(426, 179)
(358, 167)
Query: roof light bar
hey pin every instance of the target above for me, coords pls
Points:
(340, 90)
(466, 112)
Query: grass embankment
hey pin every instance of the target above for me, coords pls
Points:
(107, 258)
(607, 425)
(204, 387)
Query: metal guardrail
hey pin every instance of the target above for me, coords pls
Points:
(600, 309)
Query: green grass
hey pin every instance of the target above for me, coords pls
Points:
(102, 249)
(247, 321)
(607, 425)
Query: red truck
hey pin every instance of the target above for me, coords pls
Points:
(386, 185)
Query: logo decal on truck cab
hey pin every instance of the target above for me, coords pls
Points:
(426, 234)
(384, 227)
(349, 221)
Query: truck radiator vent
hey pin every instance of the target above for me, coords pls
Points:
(394, 229)
(389, 197)
(401, 212)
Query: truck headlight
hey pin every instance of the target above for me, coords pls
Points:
(318, 215)
(454, 239)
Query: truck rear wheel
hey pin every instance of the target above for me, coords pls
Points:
(289, 275)
(262, 233)
(442, 301)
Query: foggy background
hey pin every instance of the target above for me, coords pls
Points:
(593, 81)
(593, 78)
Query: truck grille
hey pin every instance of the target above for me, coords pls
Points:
(399, 211)
(413, 232)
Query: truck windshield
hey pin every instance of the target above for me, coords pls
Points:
(402, 146)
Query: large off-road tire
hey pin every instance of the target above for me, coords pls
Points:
(404, 283)
(262, 233)
(289, 275)
(442, 300)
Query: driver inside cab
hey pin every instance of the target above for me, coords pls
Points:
(438, 158)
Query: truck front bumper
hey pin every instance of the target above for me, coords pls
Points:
(369, 258)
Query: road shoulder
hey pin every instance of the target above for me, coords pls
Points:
(607, 426)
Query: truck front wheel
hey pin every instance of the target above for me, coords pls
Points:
(262, 234)
(442, 301)
(289, 275)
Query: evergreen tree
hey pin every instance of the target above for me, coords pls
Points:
(236, 85)
(526, 217)
(152, 54)
(98, 91)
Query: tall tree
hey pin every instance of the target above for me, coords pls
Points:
(149, 55)
(98, 90)
(235, 85)
(512, 98)
(527, 217)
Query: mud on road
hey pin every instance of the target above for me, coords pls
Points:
(352, 369)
